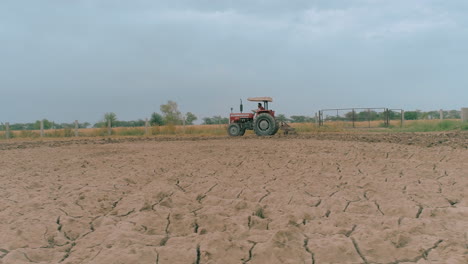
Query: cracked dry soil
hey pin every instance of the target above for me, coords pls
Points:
(269, 200)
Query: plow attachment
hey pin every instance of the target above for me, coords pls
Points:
(287, 129)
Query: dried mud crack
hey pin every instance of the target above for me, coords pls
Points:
(325, 198)
(420, 210)
(166, 230)
(306, 247)
(358, 251)
(3, 252)
(424, 254)
(244, 261)
(197, 260)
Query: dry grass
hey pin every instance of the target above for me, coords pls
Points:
(220, 130)
(201, 130)
(396, 126)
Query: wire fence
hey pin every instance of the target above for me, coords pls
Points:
(361, 117)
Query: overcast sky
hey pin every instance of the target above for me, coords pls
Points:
(65, 60)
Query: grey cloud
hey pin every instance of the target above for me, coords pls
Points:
(90, 57)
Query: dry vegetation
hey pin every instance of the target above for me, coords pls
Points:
(220, 130)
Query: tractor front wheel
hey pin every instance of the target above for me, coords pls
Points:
(265, 125)
(242, 132)
(234, 130)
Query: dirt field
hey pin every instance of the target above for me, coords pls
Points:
(324, 198)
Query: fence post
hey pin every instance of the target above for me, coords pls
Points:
(76, 128)
(109, 129)
(42, 127)
(320, 118)
(464, 114)
(7, 130)
(146, 127)
(353, 117)
(441, 114)
(183, 123)
(368, 116)
(402, 117)
(387, 121)
(385, 117)
(318, 113)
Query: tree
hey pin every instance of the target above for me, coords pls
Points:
(431, 115)
(47, 124)
(112, 117)
(215, 120)
(302, 119)
(207, 121)
(452, 114)
(26, 126)
(282, 118)
(84, 125)
(298, 119)
(156, 119)
(350, 115)
(135, 123)
(392, 115)
(189, 118)
(367, 115)
(411, 115)
(117, 123)
(171, 113)
(310, 119)
(220, 120)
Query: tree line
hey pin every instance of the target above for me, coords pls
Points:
(393, 115)
(415, 115)
(47, 125)
(170, 114)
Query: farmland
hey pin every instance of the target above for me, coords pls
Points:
(330, 197)
(220, 130)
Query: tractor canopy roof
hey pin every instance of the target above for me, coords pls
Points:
(260, 99)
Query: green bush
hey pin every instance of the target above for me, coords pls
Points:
(446, 125)
(464, 126)
(433, 125)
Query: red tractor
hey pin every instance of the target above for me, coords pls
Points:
(262, 120)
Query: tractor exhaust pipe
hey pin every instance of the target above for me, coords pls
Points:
(241, 106)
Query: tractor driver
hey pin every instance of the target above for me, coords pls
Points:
(260, 107)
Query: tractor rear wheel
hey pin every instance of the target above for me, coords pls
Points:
(265, 125)
(234, 130)
(277, 127)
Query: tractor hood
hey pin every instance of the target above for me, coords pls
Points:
(260, 99)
